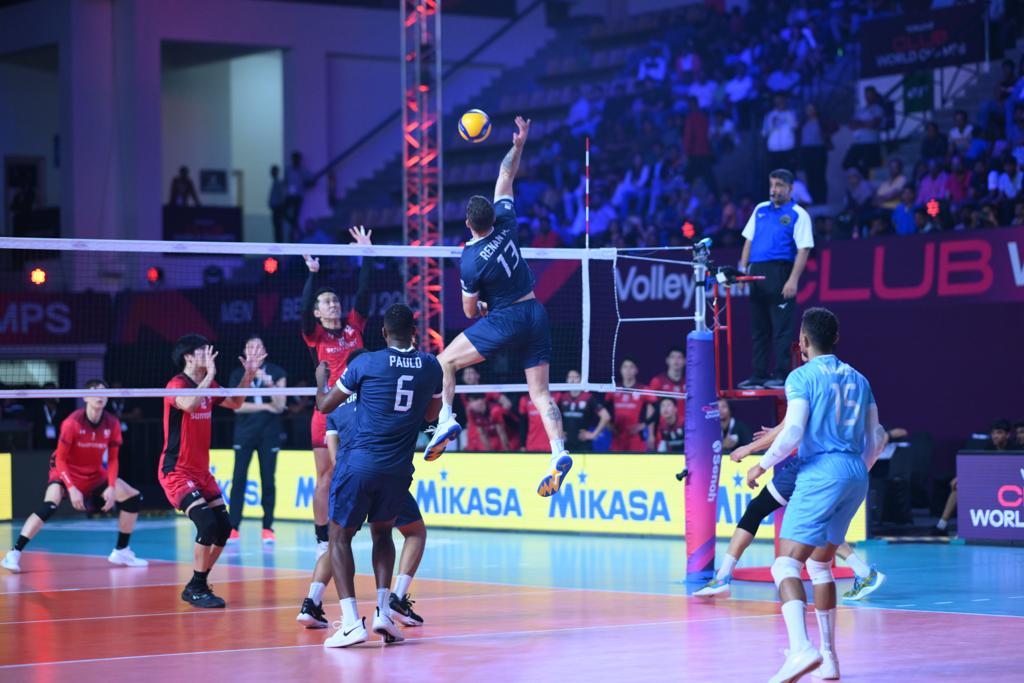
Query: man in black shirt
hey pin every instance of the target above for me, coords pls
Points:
(734, 432)
(258, 427)
(584, 417)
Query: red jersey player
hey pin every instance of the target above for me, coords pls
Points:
(184, 472)
(531, 429)
(630, 406)
(76, 469)
(485, 425)
(331, 338)
(673, 379)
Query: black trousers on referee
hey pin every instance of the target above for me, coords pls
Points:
(771, 317)
(267, 442)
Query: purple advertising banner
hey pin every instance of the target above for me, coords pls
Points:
(990, 501)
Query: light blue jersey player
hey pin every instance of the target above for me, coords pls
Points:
(497, 287)
(833, 419)
(399, 388)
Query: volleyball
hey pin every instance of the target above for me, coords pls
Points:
(474, 125)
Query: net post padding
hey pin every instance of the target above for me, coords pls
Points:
(764, 574)
(703, 446)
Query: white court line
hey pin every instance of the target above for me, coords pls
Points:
(201, 612)
(943, 602)
(457, 636)
(909, 604)
(981, 600)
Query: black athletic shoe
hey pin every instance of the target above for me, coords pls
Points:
(202, 597)
(401, 611)
(312, 614)
(752, 383)
(775, 383)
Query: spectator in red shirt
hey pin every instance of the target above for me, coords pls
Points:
(544, 237)
(77, 471)
(485, 425)
(697, 146)
(670, 436)
(674, 378)
(531, 427)
(630, 406)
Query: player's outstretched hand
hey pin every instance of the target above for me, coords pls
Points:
(323, 375)
(76, 498)
(108, 499)
(523, 126)
(252, 363)
(211, 362)
(739, 453)
(762, 432)
(312, 262)
(361, 235)
(481, 308)
(753, 474)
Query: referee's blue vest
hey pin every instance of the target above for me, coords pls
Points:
(773, 232)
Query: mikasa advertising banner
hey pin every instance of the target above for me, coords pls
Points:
(606, 493)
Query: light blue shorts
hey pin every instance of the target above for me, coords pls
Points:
(829, 490)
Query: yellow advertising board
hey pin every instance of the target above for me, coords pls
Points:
(606, 493)
(6, 484)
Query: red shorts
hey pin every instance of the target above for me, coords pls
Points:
(177, 484)
(95, 484)
(318, 429)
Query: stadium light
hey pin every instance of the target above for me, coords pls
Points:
(154, 274)
(37, 277)
(688, 230)
(932, 207)
(270, 265)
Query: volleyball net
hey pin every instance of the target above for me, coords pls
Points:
(72, 310)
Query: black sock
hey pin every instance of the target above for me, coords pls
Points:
(321, 533)
(22, 542)
(199, 579)
(122, 540)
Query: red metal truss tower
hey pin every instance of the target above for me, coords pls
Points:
(421, 169)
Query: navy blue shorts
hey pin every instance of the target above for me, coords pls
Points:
(409, 513)
(357, 497)
(784, 481)
(523, 326)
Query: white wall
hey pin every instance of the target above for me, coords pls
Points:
(195, 123)
(257, 134)
(30, 120)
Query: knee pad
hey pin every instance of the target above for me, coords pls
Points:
(786, 568)
(820, 572)
(223, 522)
(206, 524)
(760, 507)
(133, 504)
(46, 510)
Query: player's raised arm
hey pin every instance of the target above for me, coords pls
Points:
(363, 237)
(510, 164)
(308, 319)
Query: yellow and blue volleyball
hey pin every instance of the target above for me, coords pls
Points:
(474, 126)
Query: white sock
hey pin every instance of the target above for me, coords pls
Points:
(383, 600)
(728, 564)
(859, 566)
(941, 526)
(793, 613)
(557, 447)
(402, 585)
(445, 414)
(827, 627)
(316, 591)
(349, 611)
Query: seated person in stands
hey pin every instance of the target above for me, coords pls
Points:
(1018, 429)
(734, 432)
(998, 440)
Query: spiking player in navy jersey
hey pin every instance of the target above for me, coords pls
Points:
(497, 287)
(398, 387)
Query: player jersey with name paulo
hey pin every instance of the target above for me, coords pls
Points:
(492, 266)
(839, 398)
(395, 387)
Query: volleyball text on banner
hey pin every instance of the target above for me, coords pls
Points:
(703, 455)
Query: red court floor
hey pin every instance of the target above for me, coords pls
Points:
(77, 619)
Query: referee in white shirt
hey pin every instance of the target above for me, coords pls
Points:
(779, 239)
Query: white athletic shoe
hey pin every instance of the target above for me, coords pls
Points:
(10, 561)
(321, 548)
(797, 664)
(344, 637)
(715, 588)
(829, 669)
(384, 627)
(444, 433)
(126, 557)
